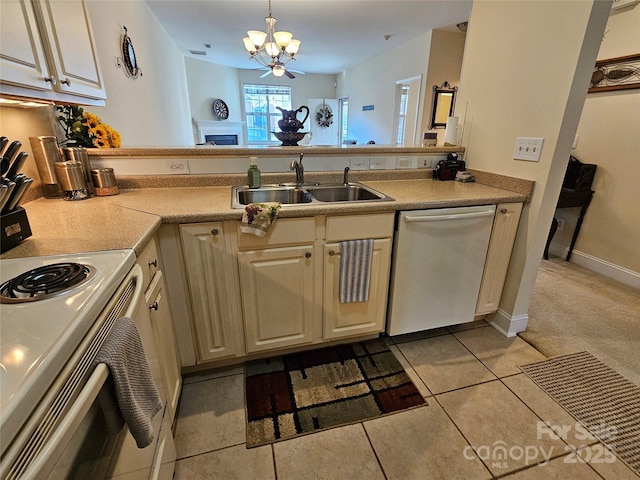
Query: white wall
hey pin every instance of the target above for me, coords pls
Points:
(526, 75)
(374, 83)
(154, 108)
(208, 81)
(609, 136)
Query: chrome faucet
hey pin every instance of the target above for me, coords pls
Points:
(345, 178)
(297, 166)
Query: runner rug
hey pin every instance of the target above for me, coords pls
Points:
(325, 388)
(606, 403)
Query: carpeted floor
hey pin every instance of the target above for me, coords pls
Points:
(574, 309)
(328, 387)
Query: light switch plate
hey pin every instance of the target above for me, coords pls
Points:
(528, 149)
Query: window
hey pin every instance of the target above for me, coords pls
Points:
(260, 102)
(344, 117)
(402, 114)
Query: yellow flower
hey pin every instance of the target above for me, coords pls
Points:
(91, 120)
(99, 131)
(116, 140)
(101, 142)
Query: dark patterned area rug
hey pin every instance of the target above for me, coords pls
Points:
(606, 403)
(319, 389)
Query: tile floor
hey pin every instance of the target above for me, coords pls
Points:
(478, 401)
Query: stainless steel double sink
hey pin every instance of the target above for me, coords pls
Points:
(306, 194)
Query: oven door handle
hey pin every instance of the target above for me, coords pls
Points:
(136, 273)
(68, 426)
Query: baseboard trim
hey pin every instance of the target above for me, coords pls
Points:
(595, 264)
(508, 325)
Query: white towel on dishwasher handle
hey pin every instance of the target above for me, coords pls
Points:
(130, 394)
(355, 270)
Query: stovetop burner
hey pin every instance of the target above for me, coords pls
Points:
(45, 282)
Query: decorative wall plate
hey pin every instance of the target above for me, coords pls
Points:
(324, 116)
(129, 56)
(220, 109)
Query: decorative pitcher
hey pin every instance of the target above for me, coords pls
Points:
(289, 121)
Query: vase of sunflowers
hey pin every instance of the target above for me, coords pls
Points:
(84, 129)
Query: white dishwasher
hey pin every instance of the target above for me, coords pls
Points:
(438, 260)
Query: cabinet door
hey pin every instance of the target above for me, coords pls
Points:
(503, 234)
(165, 341)
(277, 288)
(346, 319)
(22, 60)
(205, 261)
(69, 43)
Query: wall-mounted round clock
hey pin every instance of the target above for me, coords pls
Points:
(220, 109)
(129, 56)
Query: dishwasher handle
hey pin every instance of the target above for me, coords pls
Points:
(454, 216)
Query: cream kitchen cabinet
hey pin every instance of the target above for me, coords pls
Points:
(47, 52)
(161, 324)
(503, 234)
(211, 290)
(356, 318)
(278, 284)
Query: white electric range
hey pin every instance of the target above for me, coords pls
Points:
(37, 337)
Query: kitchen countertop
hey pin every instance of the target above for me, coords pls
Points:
(130, 219)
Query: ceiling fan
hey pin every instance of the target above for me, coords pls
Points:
(278, 69)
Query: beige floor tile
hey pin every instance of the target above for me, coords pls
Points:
(233, 463)
(338, 454)
(603, 462)
(211, 374)
(410, 337)
(499, 426)
(423, 443)
(467, 326)
(557, 418)
(413, 375)
(500, 354)
(444, 364)
(556, 469)
(211, 416)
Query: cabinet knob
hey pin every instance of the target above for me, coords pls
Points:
(51, 80)
(66, 81)
(153, 263)
(503, 210)
(215, 231)
(154, 306)
(307, 255)
(332, 253)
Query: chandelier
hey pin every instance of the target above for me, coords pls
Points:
(271, 49)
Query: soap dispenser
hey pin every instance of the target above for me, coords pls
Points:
(253, 174)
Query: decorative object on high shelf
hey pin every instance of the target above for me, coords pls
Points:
(618, 73)
(324, 115)
(220, 109)
(272, 49)
(128, 59)
(84, 129)
(289, 124)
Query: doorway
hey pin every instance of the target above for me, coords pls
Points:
(408, 111)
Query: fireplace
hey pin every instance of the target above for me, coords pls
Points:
(219, 132)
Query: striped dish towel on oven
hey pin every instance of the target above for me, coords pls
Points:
(355, 270)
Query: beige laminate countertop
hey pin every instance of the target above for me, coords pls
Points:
(130, 219)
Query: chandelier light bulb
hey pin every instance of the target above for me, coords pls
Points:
(282, 38)
(293, 46)
(257, 37)
(249, 45)
(278, 70)
(272, 49)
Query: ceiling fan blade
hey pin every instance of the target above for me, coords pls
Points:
(300, 72)
(289, 74)
(268, 72)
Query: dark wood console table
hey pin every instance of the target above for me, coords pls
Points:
(570, 198)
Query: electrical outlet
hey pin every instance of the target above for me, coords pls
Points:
(404, 162)
(378, 164)
(178, 167)
(424, 162)
(359, 163)
(528, 149)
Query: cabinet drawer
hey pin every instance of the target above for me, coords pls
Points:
(285, 231)
(149, 262)
(353, 227)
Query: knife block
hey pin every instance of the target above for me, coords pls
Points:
(15, 228)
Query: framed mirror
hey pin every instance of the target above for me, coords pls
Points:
(444, 100)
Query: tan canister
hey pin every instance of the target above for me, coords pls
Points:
(104, 181)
